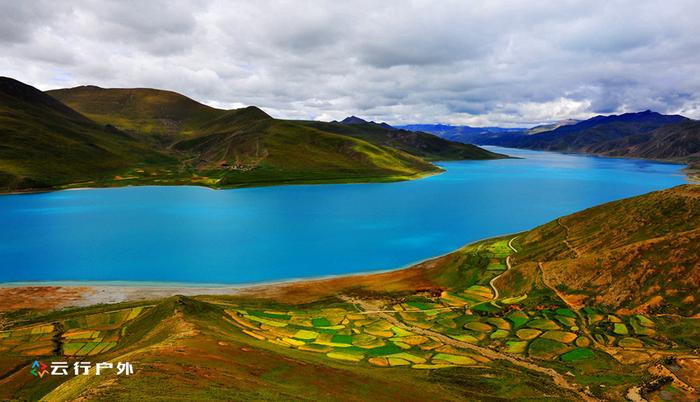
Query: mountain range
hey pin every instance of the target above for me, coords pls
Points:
(44, 142)
(647, 134)
(91, 136)
(465, 134)
(588, 135)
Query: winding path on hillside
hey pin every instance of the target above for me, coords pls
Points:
(566, 239)
(508, 267)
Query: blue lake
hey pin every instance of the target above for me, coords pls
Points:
(193, 234)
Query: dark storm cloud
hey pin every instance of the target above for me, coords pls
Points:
(480, 63)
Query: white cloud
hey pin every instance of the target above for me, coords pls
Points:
(511, 63)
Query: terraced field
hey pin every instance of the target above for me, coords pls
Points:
(363, 336)
(355, 336)
(80, 336)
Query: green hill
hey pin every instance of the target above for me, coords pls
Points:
(143, 110)
(267, 151)
(44, 143)
(90, 136)
(428, 146)
(246, 146)
(162, 112)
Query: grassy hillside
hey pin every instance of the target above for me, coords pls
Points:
(142, 110)
(115, 137)
(257, 149)
(271, 151)
(43, 143)
(169, 113)
(424, 145)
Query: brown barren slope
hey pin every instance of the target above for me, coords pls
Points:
(640, 251)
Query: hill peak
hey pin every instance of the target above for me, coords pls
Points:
(256, 112)
(94, 87)
(353, 120)
(647, 112)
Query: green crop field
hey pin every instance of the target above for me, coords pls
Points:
(578, 354)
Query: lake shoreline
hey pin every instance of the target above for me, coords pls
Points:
(204, 285)
(692, 174)
(323, 232)
(362, 180)
(88, 293)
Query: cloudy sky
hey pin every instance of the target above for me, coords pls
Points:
(508, 63)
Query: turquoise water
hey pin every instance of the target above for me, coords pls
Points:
(193, 234)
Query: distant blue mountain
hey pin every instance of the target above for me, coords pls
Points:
(465, 134)
(590, 136)
(646, 134)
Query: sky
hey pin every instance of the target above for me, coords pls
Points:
(480, 63)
